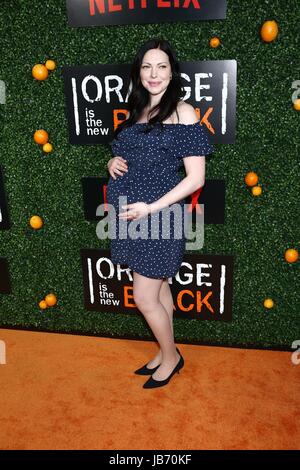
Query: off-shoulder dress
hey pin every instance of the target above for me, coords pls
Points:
(153, 161)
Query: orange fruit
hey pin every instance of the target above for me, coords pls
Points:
(39, 72)
(291, 255)
(50, 64)
(268, 303)
(256, 190)
(269, 30)
(42, 304)
(50, 299)
(251, 178)
(214, 42)
(296, 104)
(36, 222)
(47, 147)
(41, 136)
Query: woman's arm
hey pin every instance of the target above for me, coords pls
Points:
(187, 186)
(194, 168)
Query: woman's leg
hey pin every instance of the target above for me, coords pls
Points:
(166, 298)
(146, 297)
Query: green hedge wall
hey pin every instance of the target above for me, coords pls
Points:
(258, 229)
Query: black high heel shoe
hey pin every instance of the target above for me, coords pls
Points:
(146, 371)
(152, 383)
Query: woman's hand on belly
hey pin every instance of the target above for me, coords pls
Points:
(135, 211)
(116, 165)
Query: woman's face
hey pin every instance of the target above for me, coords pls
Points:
(155, 71)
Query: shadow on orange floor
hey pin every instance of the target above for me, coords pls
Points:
(77, 392)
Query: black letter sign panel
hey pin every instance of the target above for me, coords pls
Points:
(97, 96)
(105, 12)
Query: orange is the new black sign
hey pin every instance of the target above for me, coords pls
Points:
(202, 289)
(105, 12)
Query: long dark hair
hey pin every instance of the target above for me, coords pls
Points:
(139, 96)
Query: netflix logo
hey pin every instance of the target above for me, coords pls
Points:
(212, 196)
(106, 12)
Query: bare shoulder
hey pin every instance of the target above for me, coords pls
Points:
(187, 113)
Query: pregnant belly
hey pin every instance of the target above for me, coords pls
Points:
(140, 187)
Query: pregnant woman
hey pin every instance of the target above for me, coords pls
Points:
(160, 134)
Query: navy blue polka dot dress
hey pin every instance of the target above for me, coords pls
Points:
(153, 161)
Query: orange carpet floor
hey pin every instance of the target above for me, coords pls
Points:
(78, 392)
